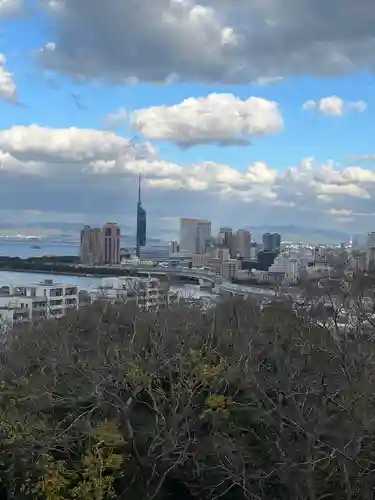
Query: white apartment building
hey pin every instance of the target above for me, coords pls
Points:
(194, 235)
(149, 293)
(290, 267)
(34, 302)
(16, 310)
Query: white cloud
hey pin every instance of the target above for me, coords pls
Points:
(341, 189)
(117, 118)
(9, 163)
(309, 105)
(334, 106)
(209, 40)
(8, 89)
(268, 80)
(359, 106)
(358, 174)
(341, 211)
(67, 145)
(331, 106)
(361, 158)
(217, 118)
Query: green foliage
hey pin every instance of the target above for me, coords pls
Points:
(238, 403)
(93, 478)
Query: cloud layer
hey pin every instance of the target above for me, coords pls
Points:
(207, 40)
(218, 118)
(93, 171)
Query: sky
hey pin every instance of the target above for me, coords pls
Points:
(245, 112)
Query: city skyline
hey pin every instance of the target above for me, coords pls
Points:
(260, 126)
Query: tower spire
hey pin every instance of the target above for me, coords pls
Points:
(139, 188)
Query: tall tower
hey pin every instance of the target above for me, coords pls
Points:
(141, 222)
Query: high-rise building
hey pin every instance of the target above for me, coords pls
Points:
(225, 236)
(141, 222)
(111, 235)
(84, 249)
(195, 235)
(271, 242)
(276, 242)
(228, 240)
(267, 242)
(91, 249)
(96, 245)
(174, 247)
(370, 252)
(243, 243)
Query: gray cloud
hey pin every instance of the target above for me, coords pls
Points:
(213, 41)
(10, 8)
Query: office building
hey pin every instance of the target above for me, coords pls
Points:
(230, 268)
(267, 242)
(85, 255)
(271, 242)
(174, 247)
(243, 243)
(96, 246)
(225, 236)
(227, 239)
(154, 252)
(220, 253)
(195, 235)
(91, 248)
(111, 250)
(141, 223)
(370, 252)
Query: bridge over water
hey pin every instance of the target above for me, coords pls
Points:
(222, 285)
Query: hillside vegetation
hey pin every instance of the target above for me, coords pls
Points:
(239, 403)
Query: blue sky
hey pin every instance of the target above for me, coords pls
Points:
(242, 151)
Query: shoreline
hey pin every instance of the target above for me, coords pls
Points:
(48, 271)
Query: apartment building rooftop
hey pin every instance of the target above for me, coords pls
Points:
(47, 282)
(192, 219)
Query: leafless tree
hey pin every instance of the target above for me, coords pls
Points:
(237, 403)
